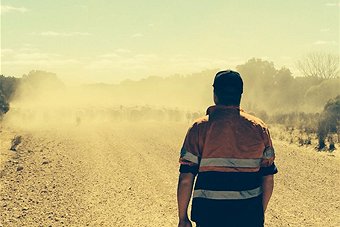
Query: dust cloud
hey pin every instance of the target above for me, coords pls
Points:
(43, 101)
(87, 160)
(107, 155)
(48, 104)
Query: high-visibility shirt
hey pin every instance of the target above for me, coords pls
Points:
(231, 151)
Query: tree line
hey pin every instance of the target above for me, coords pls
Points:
(8, 86)
(309, 102)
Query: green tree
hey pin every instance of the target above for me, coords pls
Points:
(264, 85)
(8, 86)
(4, 105)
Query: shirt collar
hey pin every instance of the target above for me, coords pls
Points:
(214, 108)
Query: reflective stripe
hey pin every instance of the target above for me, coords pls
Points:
(269, 152)
(247, 194)
(231, 162)
(189, 156)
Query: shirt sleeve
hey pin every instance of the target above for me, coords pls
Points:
(269, 152)
(190, 153)
(188, 169)
(269, 170)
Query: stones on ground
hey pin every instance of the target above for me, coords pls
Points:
(15, 142)
(20, 167)
(45, 162)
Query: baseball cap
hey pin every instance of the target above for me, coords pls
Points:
(228, 82)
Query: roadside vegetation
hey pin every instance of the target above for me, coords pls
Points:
(305, 110)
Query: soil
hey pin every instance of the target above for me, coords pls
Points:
(126, 175)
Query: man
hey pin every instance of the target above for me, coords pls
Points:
(231, 154)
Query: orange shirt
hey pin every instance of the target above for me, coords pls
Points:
(228, 140)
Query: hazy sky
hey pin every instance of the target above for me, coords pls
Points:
(109, 40)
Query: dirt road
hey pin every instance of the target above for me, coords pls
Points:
(126, 175)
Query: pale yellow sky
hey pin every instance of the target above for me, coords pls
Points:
(109, 41)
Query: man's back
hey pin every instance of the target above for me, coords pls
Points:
(231, 154)
(230, 149)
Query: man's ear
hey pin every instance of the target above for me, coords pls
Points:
(215, 98)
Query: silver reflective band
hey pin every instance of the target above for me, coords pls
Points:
(247, 194)
(269, 152)
(231, 162)
(189, 156)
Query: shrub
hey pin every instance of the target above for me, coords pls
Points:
(329, 122)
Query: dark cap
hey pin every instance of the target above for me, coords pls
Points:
(229, 82)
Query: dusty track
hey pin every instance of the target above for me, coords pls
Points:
(126, 175)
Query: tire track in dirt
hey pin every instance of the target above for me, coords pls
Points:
(137, 188)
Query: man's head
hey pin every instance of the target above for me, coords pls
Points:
(228, 88)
